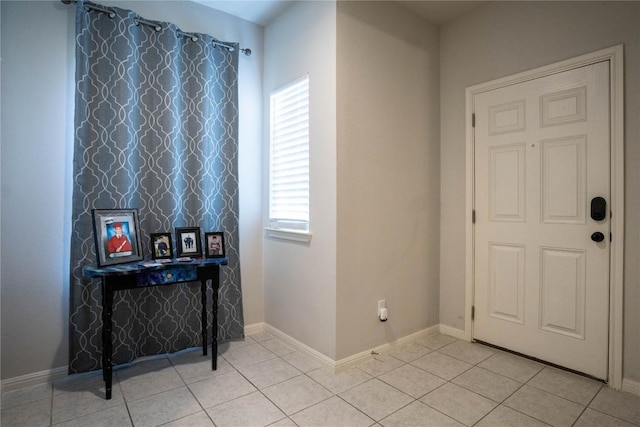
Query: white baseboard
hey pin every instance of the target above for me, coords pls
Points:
(61, 372)
(351, 360)
(631, 386)
(35, 378)
(55, 374)
(454, 332)
(254, 328)
(303, 348)
(384, 348)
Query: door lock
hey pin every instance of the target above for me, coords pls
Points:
(598, 208)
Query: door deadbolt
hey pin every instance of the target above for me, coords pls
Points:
(598, 208)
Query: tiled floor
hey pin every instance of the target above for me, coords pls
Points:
(435, 381)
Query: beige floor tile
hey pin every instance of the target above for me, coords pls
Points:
(515, 367)
(296, 394)
(436, 341)
(287, 422)
(410, 352)
(376, 398)
(226, 346)
(163, 407)
(337, 382)
(117, 416)
(412, 380)
(565, 384)
(32, 414)
(544, 406)
(89, 381)
(441, 365)
(467, 352)
(251, 410)
(199, 419)
(78, 402)
(247, 355)
(302, 362)
(145, 379)
(277, 347)
(486, 383)
(332, 412)
(220, 389)
(592, 418)
(618, 404)
(261, 336)
(193, 366)
(270, 372)
(26, 395)
(380, 364)
(460, 404)
(417, 414)
(503, 416)
(266, 389)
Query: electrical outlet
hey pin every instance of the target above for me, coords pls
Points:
(381, 304)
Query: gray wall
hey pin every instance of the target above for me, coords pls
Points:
(37, 138)
(388, 174)
(299, 279)
(504, 38)
(37, 121)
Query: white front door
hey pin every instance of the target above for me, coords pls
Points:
(541, 284)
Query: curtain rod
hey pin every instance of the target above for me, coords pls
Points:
(157, 26)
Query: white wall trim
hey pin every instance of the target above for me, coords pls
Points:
(454, 332)
(615, 56)
(347, 361)
(301, 347)
(35, 378)
(254, 328)
(631, 386)
(350, 361)
(292, 235)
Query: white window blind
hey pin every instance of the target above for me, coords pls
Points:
(289, 157)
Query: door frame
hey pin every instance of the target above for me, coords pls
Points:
(615, 56)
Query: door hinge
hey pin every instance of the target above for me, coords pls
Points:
(473, 120)
(473, 216)
(473, 312)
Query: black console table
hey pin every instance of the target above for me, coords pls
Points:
(143, 274)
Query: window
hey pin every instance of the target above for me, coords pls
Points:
(289, 157)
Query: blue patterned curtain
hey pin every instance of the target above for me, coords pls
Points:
(156, 127)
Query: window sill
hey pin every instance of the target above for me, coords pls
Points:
(291, 235)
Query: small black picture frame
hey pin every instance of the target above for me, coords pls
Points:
(214, 245)
(188, 242)
(117, 236)
(161, 247)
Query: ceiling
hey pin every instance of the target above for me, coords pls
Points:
(257, 11)
(440, 12)
(263, 11)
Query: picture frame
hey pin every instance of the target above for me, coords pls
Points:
(161, 246)
(117, 236)
(188, 242)
(214, 245)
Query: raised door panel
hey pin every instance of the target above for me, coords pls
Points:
(564, 183)
(507, 183)
(562, 299)
(506, 282)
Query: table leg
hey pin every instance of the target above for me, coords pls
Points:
(104, 329)
(107, 337)
(215, 284)
(203, 296)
